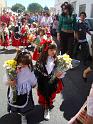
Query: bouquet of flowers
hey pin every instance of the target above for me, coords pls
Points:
(64, 63)
(10, 66)
(31, 38)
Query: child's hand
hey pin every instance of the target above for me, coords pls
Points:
(11, 82)
(58, 74)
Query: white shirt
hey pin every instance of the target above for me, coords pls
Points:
(46, 21)
(50, 64)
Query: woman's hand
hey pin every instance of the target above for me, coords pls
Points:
(86, 72)
(11, 82)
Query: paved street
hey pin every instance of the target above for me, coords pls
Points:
(66, 104)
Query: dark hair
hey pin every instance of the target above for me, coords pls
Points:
(57, 17)
(83, 14)
(24, 58)
(41, 30)
(23, 20)
(64, 4)
(47, 13)
(67, 6)
(44, 54)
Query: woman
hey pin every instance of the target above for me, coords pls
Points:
(66, 29)
(55, 26)
(46, 20)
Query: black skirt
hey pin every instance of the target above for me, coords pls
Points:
(21, 100)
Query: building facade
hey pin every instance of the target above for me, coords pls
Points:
(79, 6)
(3, 5)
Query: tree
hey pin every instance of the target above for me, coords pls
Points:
(46, 8)
(34, 7)
(18, 7)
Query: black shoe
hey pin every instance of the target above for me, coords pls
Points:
(51, 107)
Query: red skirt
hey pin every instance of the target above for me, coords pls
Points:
(24, 41)
(16, 42)
(41, 98)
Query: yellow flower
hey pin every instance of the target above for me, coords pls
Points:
(10, 63)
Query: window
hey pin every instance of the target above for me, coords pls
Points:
(82, 8)
(92, 11)
(74, 6)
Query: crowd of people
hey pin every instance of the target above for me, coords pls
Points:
(44, 31)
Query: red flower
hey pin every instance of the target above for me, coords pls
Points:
(43, 42)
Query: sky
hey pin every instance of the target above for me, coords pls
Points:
(49, 3)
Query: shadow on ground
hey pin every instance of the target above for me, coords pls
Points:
(33, 117)
(6, 51)
(13, 50)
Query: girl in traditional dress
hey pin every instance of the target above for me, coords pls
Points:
(25, 81)
(24, 32)
(40, 37)
(5, 41)
(47, 88)
(1, 33)
(16, 38)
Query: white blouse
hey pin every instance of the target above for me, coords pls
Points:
(50, 64)
(46, 21)
(25, 80)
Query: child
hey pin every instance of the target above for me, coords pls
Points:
(26, 80)
(1, 33)
(16, 38)
(24, 32)
(40, 37)
(33, 27)
(82, 29)
(5, 40)
(45, 68)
